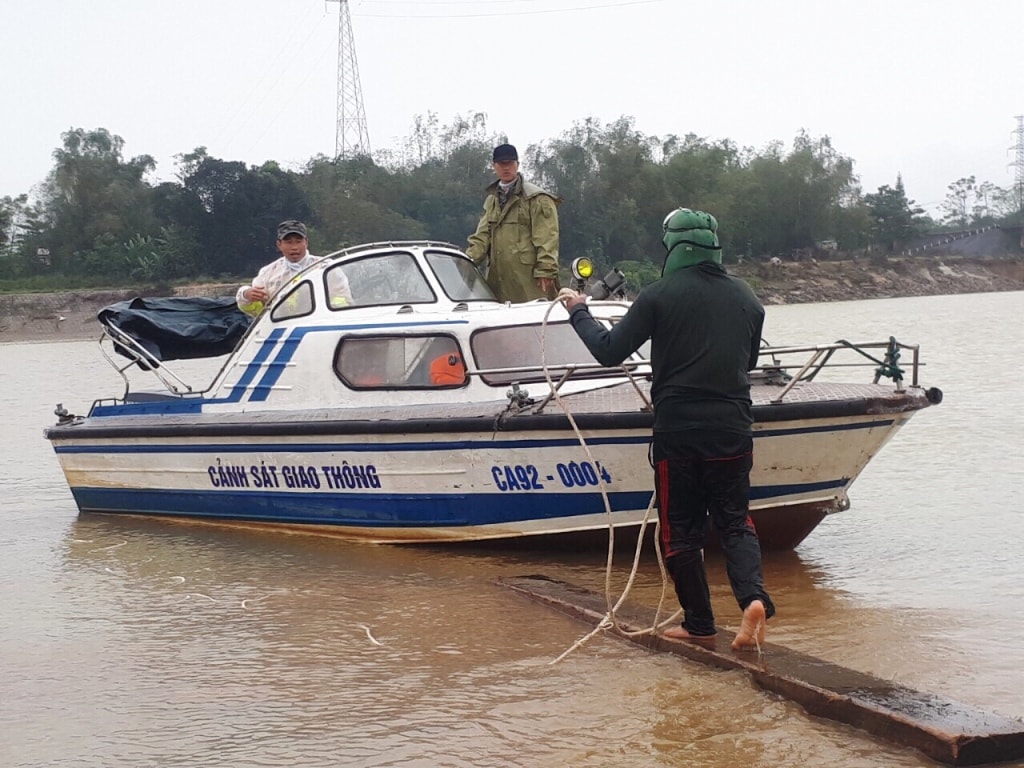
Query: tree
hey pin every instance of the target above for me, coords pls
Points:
(895, 219)
(822, 179)
(355, 201)
(956, 202)
(99, 218)
(445, 192)
(233, 210)
(6, 220)
(696, 173)
(568, 167)
(92, 193)
(20, 228)
(992, 204)
(607, 178)
(761, 199)
(1006, 204)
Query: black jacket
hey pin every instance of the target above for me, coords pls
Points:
(705, 331)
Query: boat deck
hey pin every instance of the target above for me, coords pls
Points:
(884, 397)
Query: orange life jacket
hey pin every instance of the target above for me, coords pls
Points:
(447, 369)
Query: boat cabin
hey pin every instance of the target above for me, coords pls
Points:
(421, 318)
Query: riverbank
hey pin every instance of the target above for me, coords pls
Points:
(880, 278)
(70, 315)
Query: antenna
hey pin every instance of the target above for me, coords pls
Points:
(351, 138)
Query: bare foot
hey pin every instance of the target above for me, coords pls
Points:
(751, 634)
(680, 633)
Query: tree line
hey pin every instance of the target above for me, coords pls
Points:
(98, 220)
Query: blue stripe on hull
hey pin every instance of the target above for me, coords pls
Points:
(364, 447)
(378, 510)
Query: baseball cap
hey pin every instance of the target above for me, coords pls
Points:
(504, 153)
(290, 227)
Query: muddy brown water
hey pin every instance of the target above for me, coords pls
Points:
(132, 642)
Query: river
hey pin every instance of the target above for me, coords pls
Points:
(137, 643)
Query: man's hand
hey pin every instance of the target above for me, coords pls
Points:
(255, 293)
(574, 301)
(546, 284)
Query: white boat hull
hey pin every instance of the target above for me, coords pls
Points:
(459, 486)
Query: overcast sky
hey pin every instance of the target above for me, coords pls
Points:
(927, 88)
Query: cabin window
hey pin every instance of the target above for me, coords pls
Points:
(390, 278)
(519, 348)
(459, 277)
(339, 290)
(296, 303)
(400, 362)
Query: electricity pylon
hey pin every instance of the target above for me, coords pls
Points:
(351, 137)
(1018, 167)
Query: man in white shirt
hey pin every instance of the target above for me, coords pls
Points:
(293, 244)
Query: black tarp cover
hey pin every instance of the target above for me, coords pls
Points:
(178, 328)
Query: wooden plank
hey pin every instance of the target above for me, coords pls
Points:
(943, 729)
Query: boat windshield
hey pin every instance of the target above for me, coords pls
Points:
(459, 277)
(519, 347)
(380, 280)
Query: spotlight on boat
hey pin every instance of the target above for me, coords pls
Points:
(582, 268)
(612, 284)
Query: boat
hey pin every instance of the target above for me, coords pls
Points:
(427, 411)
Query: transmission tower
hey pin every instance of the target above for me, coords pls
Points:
(1018, 166)
(351, 137)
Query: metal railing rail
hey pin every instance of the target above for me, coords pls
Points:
(821, 357)
(813, 359)
(136, 354)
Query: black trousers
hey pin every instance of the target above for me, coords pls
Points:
(700, 474)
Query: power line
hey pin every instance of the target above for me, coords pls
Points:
(457, 2)
(503, 13)
(273, 73)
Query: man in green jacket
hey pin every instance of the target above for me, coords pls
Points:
(517, 237)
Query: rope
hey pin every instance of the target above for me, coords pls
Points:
(610, 619)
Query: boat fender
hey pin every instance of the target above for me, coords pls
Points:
(934, 395)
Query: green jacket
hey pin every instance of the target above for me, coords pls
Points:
(517, 242)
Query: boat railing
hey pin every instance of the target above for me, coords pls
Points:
(785, 366)
(884, 356)
(556, 375)
(781, 366)
(137, 355)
